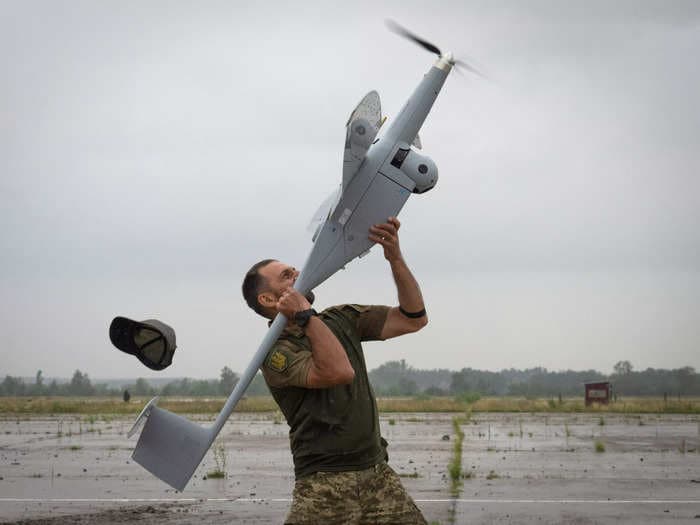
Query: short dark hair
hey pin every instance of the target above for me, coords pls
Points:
(253, 283)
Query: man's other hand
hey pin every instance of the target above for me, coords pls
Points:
(387, 235)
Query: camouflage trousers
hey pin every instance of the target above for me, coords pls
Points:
(371, 496)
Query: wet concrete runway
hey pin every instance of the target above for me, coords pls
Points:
(518, 468)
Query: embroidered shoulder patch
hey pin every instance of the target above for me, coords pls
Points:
(278, 361)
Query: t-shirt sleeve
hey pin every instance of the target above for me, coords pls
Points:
(369, 320)
(286, 365)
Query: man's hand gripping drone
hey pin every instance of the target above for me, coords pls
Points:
(379, 174)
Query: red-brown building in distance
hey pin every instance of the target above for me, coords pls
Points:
(598, 392)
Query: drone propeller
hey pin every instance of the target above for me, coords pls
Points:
(462, 63)
(400, 30)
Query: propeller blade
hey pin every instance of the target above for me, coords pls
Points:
(399, 30)
(462, 63)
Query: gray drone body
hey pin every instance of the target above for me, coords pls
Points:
(378, 177)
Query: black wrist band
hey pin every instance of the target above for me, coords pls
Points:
(412, 315)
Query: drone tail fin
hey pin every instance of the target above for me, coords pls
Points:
(171, 447)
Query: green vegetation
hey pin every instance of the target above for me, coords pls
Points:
(396, 378)
(114, 405)
(492, 475)
(455, 466)
(106, 408)
(81, 385)
(219, 452)
(468, 397)
(567, 430)
(599, 446)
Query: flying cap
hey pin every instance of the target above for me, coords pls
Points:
(151, 341)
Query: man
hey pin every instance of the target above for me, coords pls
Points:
(317, 374)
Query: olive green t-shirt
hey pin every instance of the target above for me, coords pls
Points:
(336, 428)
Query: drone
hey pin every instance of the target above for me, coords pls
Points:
(379, 175)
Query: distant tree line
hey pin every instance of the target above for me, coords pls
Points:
(80, 385)
(396, 378)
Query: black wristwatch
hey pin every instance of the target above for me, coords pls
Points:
(302, 318)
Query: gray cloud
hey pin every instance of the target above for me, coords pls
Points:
(151, 153)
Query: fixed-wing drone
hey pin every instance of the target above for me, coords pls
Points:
(379, 174)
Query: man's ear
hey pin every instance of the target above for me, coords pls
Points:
(267, 300)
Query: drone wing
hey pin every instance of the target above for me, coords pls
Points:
(323, 212)
(361, 129)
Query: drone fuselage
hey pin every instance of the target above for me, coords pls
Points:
(389, 173)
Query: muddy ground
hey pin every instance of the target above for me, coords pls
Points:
(518, 468)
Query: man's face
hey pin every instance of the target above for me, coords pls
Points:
(278, 276)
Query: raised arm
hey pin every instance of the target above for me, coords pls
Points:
(330, 365)
(410, 315)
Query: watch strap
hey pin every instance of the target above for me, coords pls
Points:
(302, 318)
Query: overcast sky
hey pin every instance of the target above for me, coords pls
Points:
(150, 153)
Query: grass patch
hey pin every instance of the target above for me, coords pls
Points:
(599, 446)
(392, 421)
(105, 408)
(567, 430)
(492, 475)
(469, 397)
(75, 447)
(108, 407)
(455, 466)
(219, 452)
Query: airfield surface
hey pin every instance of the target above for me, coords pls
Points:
(517, 468)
